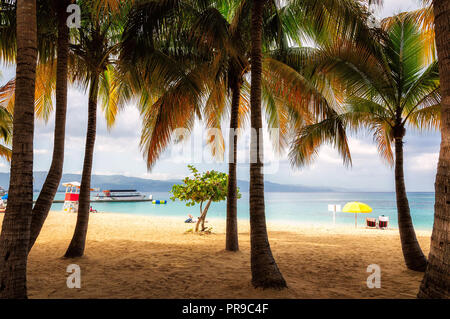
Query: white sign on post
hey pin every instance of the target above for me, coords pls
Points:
(334, 208)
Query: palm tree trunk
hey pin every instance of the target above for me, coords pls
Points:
(232, 243)
(51, 184)
(77, 245)
(16, 223)
(436, 282)
(265, 272)
(412, 253)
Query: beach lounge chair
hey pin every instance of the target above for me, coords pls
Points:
(371, 222)
(383, 222)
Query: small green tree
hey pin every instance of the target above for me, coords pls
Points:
(207, 187)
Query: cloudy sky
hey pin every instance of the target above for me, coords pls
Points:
(117, 150)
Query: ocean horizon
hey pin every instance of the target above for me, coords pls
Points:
(308, 207)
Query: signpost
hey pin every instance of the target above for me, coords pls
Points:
(334, 208)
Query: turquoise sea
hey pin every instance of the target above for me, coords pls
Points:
(297, 207)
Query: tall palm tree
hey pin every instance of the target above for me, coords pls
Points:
(51, 184)
(212, 56)
(218, 33)
(93, 57)
(52, 76)
(328, 19)
(387, 89)
(52, 79)
(16, 223)
(436, 282)
(265, 272)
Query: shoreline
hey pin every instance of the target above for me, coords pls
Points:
(279, 223)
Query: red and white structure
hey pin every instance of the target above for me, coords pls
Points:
(72, 196)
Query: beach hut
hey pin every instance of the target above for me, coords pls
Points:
(356, 208)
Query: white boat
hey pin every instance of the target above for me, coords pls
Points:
(122, 195)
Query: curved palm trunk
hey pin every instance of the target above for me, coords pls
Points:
(16, 223)
(413, 255)
(51, 184)
(265, 272)
(232, 243)
(436, 282)
(77, 245)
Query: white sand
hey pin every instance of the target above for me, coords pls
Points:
(131, 256)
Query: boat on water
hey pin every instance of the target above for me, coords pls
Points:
(121, 195)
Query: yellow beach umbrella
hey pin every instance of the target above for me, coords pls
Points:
(356, 207)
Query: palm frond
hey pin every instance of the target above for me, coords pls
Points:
(176, 108)
(307, 142)
(424, 18)
(5, 152)
(427, 118)
(114, 92)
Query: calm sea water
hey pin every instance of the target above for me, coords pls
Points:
(299, 207)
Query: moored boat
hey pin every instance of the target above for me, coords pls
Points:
(122, 195)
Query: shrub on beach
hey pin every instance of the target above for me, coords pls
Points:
(199, 188)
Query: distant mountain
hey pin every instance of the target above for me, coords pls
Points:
(151, 185)
(285, 188)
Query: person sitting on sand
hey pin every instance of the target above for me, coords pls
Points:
(91, 210)
(190, 219)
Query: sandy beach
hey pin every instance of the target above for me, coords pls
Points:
(131, 256)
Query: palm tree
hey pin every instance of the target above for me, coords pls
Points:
(51, 184)
(217, 32)
(93, 57)
(327, 20)
(436, 282)
(213, 57)
(265, 272)
(387, 89)
(16, 223)
(52, 75)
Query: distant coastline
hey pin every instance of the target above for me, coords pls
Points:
(153, 185)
